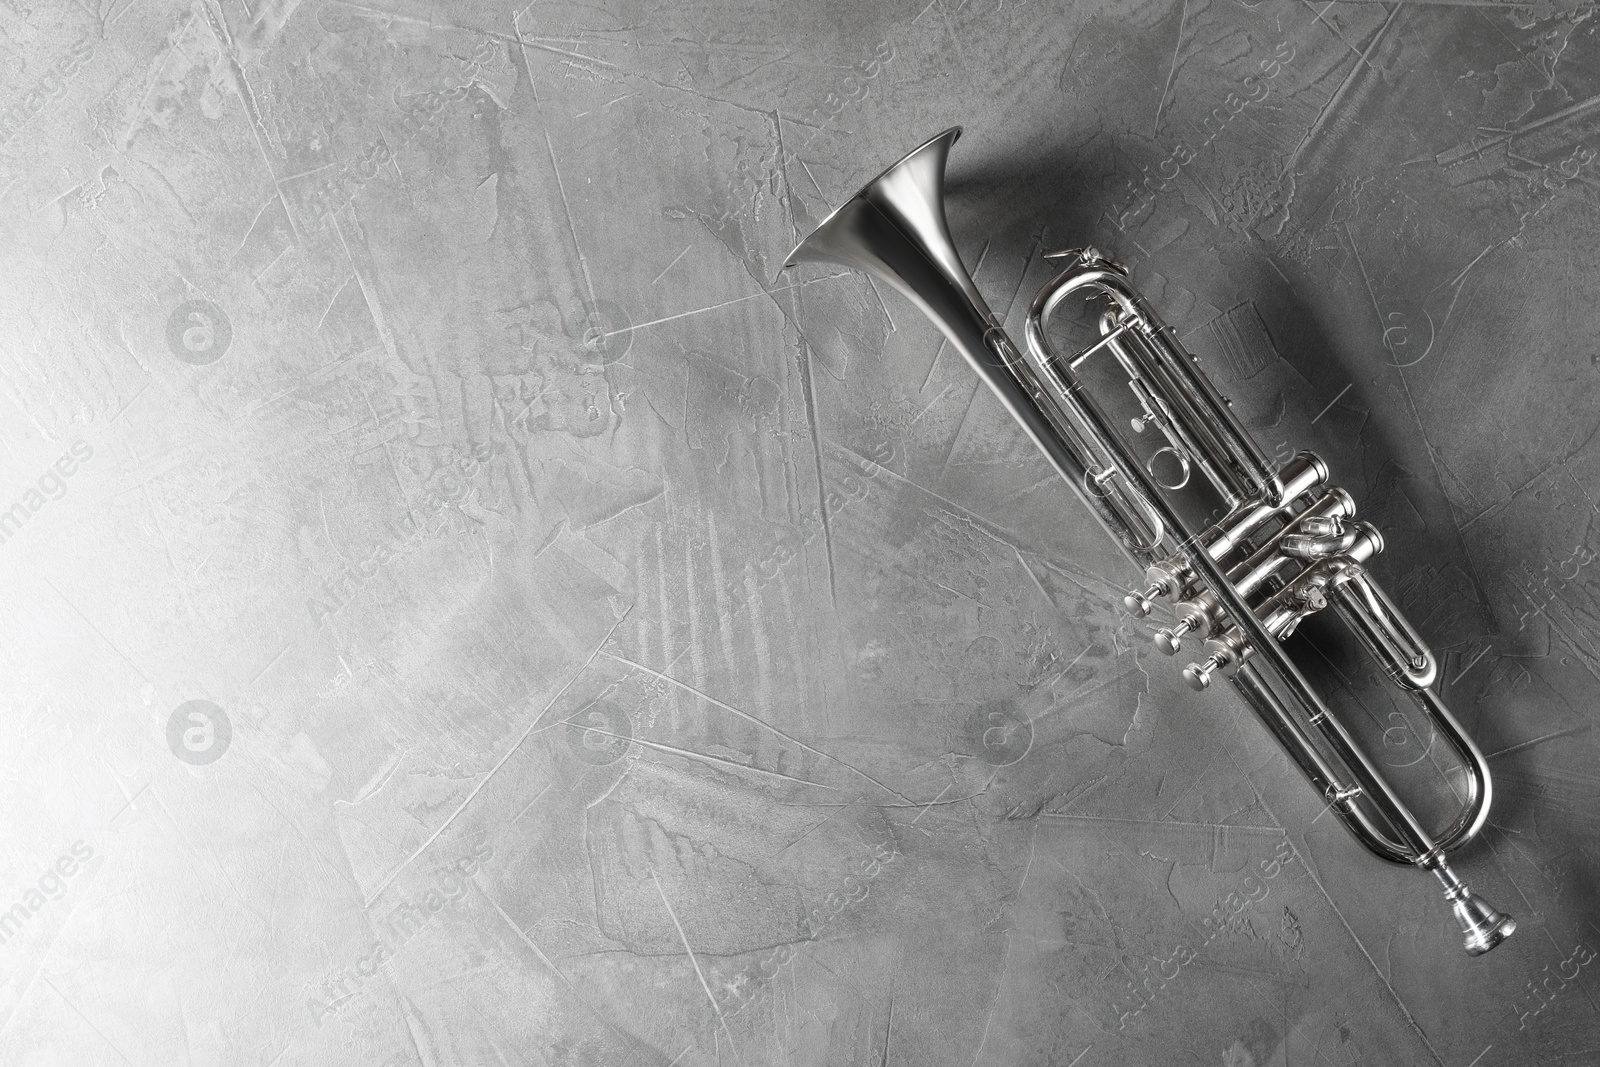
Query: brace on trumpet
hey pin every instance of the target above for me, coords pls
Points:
(1288, 546)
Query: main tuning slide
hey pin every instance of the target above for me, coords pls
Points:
(1289, 545)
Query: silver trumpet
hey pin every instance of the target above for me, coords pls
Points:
(1287, 547)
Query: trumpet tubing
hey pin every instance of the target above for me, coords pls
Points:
(1288, 544)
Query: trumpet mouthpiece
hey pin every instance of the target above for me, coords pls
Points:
(1483, 925)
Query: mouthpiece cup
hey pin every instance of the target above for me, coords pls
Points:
(1483, 925)
(1479, 943)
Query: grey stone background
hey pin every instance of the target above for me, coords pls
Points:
(460, 609)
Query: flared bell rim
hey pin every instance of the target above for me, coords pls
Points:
(953, 133)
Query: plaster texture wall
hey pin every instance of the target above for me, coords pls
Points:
(461, 606)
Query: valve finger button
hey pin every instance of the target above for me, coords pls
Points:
(1139, 602)
(1170, 640)
(1198, 675)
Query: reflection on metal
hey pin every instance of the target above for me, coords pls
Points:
(1285, 549)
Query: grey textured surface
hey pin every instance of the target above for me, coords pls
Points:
(609, 655)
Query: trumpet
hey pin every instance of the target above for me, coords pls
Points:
(1288, 545)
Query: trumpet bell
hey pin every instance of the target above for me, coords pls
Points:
(895, 230)
(910, 193)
